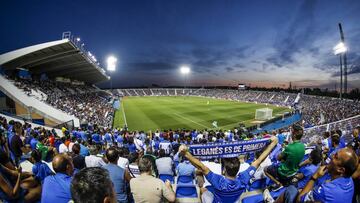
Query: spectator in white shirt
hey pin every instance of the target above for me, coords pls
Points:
(122, 161)
(93, 160)
(164, 164)
(63, 148)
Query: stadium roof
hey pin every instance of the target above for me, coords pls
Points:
(61, 58)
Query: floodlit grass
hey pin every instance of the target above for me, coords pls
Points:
(151, 113)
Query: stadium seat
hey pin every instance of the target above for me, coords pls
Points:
(258, 184)
(185, 179)
(165, 177)
(186, 191)
(276, 194)
(258, 198)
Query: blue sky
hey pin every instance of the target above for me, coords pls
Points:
(264, 43)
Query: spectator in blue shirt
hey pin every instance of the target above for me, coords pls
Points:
(78, 159)
(56, 188)
(119, 176)
(92, 185)
(341, 187)
(308, 167)
(108, 138)
(226, 188)
(281, 137)
(185, 169)
(120, 140)
(84, 151)
(131, 145)
(96, 138)
(34, 141)
(40, 169)
(83, 135)
(335, 142)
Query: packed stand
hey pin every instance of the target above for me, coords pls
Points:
(83, 101)
(316, 110)
(113, 165)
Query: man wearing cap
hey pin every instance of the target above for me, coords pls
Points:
(290, 159)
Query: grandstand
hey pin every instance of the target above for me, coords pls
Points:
(50, 101)
(36, 79)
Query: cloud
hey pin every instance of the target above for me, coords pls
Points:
(229, 69)
(352, 70)
(299, 34)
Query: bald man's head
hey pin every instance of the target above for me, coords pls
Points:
(350, 162)
(344, 162)
(62, 164)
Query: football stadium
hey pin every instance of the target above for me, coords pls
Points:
(155, 101)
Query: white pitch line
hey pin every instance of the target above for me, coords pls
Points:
(122, 108)
(232, 124)
(190, 120)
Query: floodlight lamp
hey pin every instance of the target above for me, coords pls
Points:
(111, 63)
(339, 48)
(89, 54)
(185, 70)
(78, 39)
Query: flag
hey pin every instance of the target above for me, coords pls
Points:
(215, 124)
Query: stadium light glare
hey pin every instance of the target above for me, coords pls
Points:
(78, 39)
(340, 48)
(184, 70)
(111, 63)
(89, 53)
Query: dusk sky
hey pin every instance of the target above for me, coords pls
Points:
(260, 43)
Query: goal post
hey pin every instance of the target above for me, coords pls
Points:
(263, 114)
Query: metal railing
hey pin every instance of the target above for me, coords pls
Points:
(314, 134)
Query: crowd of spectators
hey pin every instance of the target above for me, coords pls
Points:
(94, 106)
(83, 101)
(316, 110)
(117, 165)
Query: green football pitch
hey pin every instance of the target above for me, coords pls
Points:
(151, 113)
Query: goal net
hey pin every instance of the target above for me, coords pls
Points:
(263, 114)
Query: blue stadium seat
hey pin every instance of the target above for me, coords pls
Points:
(186, 191)
(277, 193)
(253, 199)
(185, 179)
(258, 184)
(259, 198)
(165, 177)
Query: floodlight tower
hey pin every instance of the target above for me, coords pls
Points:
(340, 49)
(185, 70)
(111, 66)
(344, 58)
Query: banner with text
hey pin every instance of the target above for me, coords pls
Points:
(227, 150)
